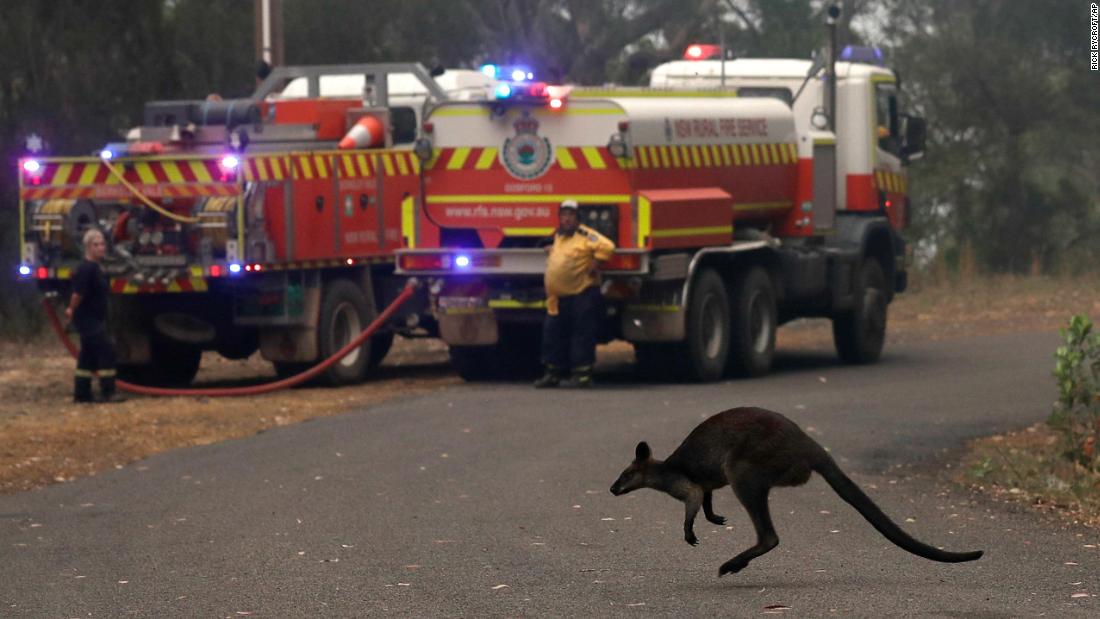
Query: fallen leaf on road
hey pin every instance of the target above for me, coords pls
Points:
(500, 587)
(1080, 595)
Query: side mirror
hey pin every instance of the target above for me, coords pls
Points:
(915, 132)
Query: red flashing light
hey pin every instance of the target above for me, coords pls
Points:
(422, 263)
(556, 104)
(623, 262)
(350, 261)
(703, 52)
(258, 268)
(624, 126)
(42, 273)
(248, 267)
(216, 270)
(889, 203)
(428, 127)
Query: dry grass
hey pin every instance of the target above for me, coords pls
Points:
(44, 438)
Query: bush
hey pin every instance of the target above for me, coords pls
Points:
(1076, 414)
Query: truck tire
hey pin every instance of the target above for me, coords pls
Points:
(859, 333)
(344, 315)
(754, 322)
(706, 346)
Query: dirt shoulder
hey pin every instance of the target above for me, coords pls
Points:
(45, 438)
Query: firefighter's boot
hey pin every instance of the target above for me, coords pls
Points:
(581, 378)
(551, 378)
(107, 390)
(82, 390)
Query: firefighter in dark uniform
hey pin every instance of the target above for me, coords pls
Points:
(88, 312)
(574, 305)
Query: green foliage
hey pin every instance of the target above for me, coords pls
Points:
(1076, 414)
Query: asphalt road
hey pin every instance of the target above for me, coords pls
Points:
(493, 501)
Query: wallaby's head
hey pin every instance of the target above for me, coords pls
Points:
(634, 476)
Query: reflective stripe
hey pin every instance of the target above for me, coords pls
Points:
(678, 232)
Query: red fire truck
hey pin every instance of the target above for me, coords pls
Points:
(737, 199)
(263, 223)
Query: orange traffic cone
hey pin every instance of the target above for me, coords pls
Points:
(365, 133)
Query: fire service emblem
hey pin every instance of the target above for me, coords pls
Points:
(525, 155)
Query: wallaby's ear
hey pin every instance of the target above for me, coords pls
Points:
(641, 452)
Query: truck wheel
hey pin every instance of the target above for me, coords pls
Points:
(706, 347)
(752, 337)
(860, 333)
(344, 315)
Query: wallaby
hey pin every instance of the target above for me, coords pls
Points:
(754, 450)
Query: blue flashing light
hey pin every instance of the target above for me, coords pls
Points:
(24, 271)
(462, 261)
(106, 154)
(234, 268)
(518, 75)
(230, 162)
(503, 91)
(865, 55)
(490, 70)
(31, 166)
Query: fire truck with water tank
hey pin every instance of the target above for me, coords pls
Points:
(737, 198)
(263, 223)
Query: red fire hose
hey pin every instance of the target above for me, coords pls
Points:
(253, 389)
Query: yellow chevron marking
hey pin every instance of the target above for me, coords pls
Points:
(756, 156)
(695, 160)
(677, 232)
(643, 159)
(347, 164)
(485, 161)
(674, 154)
(765, 155)
(644, 221)
(88, 176)
(320, 164)
(458, 159)
(716, 155)
(414, 163)
(364, 167)
(592, 156)
(62, 174)
(305, 168)
(565, 158)
(705, 152)
(665, 160)
(174, 286)
(172, 171)
(387, 163)
(402, 166)
(775, 154)
(794, 152)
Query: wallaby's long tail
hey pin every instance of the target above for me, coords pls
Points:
(850, 492)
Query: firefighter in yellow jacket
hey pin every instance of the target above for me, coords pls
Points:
(574, 305)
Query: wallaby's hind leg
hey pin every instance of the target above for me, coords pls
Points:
(708, 510)
(754, 497)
